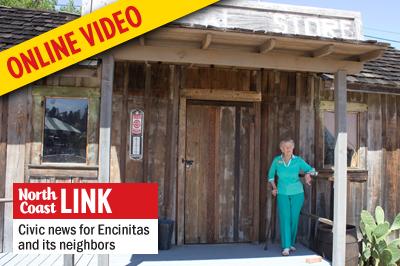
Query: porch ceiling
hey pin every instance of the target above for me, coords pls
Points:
(250, 49)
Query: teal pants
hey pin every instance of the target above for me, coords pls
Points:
(289, 207)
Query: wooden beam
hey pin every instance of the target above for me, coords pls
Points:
(340, 171)
(142, 41)
(206, 41)
(268, 46)
(56, 91)
(63, 173)
(351, 107)
(373, 88)
(350, 46)
(371, 55)
(221, 95)
(324, 51)
(234, 58)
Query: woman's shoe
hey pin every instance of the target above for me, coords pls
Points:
(285, 252)
(292, 249)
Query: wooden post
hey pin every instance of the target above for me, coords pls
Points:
(69, 260)
(340, 174)
(105, 118)
(107, 80)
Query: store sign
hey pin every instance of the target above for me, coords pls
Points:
(271, 17)
(136, 134)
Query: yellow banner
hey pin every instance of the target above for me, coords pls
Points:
(87, 36)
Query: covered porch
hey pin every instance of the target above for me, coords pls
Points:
(268, 83)
(282, 84)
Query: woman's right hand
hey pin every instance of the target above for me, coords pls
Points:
(274, 192)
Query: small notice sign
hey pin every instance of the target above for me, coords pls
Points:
(136, 136)
(85, 218)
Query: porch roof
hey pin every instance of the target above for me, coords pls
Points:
(378, 76)
(181, 42)
(209, 45)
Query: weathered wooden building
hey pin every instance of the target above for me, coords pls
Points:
(218, 90)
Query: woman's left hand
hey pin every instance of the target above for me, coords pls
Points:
(307, 178)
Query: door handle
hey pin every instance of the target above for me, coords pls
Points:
(188, 163)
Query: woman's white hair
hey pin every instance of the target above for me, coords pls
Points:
(286, 140)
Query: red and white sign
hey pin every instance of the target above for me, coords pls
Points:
(137, 121)
(92, 218)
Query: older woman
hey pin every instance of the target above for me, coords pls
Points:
(287, 167)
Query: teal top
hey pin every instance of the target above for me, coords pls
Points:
(288, 174)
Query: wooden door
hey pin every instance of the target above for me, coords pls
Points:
(219, 173)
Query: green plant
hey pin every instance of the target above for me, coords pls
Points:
(35, 4)
(377, 250)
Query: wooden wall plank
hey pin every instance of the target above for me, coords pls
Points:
(194, 173)
(249, 183)
(203, 160)
(3, 158)
(226, 172)
(273, 145)
(147, 111)
(125, 122)
(355, 203)
(237, 168)
(217, 206)
(384, 183)
(15, 164)
(181, 169)
(116, 150)
(29, 133)
(221, 95)
(391, 147)
(398, 151)
(172, 140)
(203, 78)
(257, 157)
(92, 130)
(37, 124)
(305, 135)
(156, 106)
(398, 154)
(211, 183)
(265, 193)
(169, 141)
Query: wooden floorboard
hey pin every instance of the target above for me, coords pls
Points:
(41, 259)
(85, 260)
(7, 258)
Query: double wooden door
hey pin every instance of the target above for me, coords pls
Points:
(219, 178)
